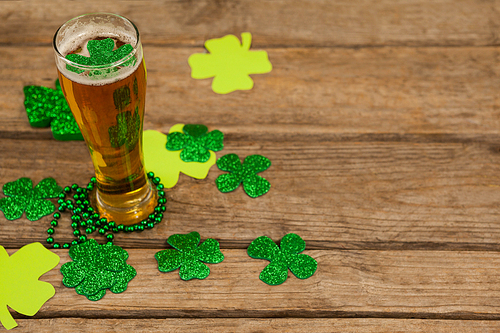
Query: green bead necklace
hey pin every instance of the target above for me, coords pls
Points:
(85, 216)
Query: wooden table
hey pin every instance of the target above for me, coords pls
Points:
(381, 119)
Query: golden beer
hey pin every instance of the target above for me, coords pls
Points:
(108, 105)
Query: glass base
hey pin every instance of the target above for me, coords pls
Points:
(129, 208)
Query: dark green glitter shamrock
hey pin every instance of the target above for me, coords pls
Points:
(195, 142)
(46, 106)
(127, 130)
(253, 184)
(96, 268)
(21, 196)
(301, 265)
(189, 256)
(101, 54)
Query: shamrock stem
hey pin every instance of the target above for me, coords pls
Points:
(6, 318)
(246, 40)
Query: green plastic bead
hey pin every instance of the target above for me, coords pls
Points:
(77, 210)
(78, 203)
(83, 224)
(88, 230)
(163, 208)
(74, 242)
(67, 189)
(53, 223)
(76, 196)
(156, 180)
(85, 215)
(112, 224)
(74, 186)
(65, 246)
(162, 201)
(56, 246)
(56, 215)
(93, 180)
(151, 217)
(50, 240)
(144, 222)
(61, 195)
(90, 209)
(151, 174)
(110, 237)
(105, 227)
(140, 227)
(95, 216)
(83, 238)
(115, 230)
(71, 207)
(120, 227)
(160, 187)
(79, 190)
(77, 233)
(102, 231)
(129, 228)
(74, 225)
(157, 220)
(62, 208)
(60, 201)
(161, 193)
(109, 243)
(50, 231)
(150, 225)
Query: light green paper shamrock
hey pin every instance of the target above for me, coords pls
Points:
(195, 142)
(283, 258)
(96, 268)
(230, 63)
(188, 256)
(22, 197)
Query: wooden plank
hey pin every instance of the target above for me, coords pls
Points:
(244, 325)
(293, 23)
(320, 92)
(355, 195)
(384, 284)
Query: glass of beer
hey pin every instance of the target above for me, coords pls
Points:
(107, 101)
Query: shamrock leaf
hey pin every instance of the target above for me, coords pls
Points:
(127, 131)
(188, 256)
(195, 142)
(253, 184)
(168, 164)
(19, 285)
(101, 54)
(46, 106)
(230, 62)
(96, 268)
(288, 257)
(22, 197)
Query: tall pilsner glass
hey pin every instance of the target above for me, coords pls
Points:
(107, 102)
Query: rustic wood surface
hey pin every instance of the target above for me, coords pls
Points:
(382, 121)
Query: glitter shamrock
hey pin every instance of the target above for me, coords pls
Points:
(96, 268)
(22, 197)
(288, 257)
(189, 256)
(230, 62)
(253, 184)
(168, 164)
(195, 142)
(127, 131)
(46, 106)
(101, 54)
(19, 285)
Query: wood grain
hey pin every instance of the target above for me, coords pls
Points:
(320, 92)
(354, 195)
(290, 23)
(383, 284)
(247, 325)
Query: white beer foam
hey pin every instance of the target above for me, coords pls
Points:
(78, 36)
